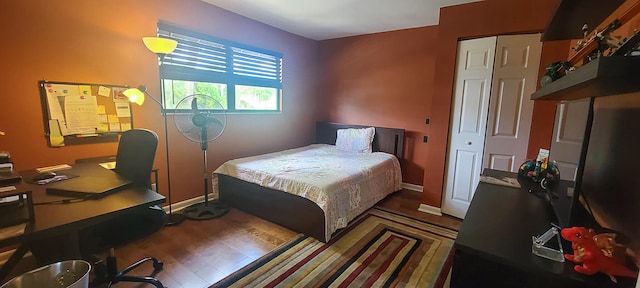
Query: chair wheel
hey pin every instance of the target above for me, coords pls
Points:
(158, 265)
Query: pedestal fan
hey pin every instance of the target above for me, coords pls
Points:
(200, 118)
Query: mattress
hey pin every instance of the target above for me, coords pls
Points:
(342, 184)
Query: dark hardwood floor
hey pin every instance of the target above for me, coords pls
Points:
(199, 253)
(407, 202)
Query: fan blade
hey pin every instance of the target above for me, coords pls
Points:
(214, 120)
(182, 122)
(194, 105)
(193, 131)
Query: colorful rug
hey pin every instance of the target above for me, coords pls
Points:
(379, 249)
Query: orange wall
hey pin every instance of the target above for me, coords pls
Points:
(479, 19)
(100, 42)
(400, 78)
(383, 79)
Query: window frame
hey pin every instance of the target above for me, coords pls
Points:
(229, 77)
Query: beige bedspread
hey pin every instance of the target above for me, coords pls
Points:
(343, 184)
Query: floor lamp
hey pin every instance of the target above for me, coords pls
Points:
(161, 47)
(137, 95)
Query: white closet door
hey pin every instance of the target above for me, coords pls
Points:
(474, 69)
(515, 77)
(491, 112)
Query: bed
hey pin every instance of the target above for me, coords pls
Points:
(315, 212)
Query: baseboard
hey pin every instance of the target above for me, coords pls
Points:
(423, 207)
(430, 209)
(412, 187)
(178, 206)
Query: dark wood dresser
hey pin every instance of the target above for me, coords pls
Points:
(493, 247)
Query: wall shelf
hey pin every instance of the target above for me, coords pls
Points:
(603, 76)
(572, 14)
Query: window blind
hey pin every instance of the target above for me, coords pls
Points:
(202, 57)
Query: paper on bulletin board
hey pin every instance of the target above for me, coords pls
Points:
(101, 109)
(84, 90)
(103, 128)
(123, 109)
(81, 114)
(104, 91)
(125, 126)
(118, 95)
(56, 94)
(114, 127)
(55, 137)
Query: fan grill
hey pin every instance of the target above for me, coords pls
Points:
(205, 120)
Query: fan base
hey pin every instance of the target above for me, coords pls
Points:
(173, 219)
(205, 210)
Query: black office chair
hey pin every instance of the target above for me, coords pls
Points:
(136, 152)
(134, 160)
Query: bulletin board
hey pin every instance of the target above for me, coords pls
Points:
(83, 113)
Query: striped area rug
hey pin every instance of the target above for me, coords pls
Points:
(379, 249)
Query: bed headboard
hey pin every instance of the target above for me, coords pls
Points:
(389, 140)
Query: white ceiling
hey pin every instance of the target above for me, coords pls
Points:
(328, 19)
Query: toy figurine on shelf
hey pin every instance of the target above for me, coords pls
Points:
(541, 170)
(584, 40)
(596, 253)
(556, 71)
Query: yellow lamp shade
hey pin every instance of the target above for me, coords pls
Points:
(160, 45)
(134, 95)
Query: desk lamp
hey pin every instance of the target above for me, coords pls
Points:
(161, 47)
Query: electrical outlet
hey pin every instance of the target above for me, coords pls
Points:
(426, 121)
(425, 139)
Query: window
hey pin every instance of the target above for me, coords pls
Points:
(240, 77)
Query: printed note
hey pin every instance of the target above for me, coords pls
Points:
(103, 128)
(81, 114)
(118, 96)
(56, 94)
(104, 91)
(114, 127)
(125, 126)
(122, 109)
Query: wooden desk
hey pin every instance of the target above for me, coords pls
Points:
(493, 247)
(65, 220)
(112, 159)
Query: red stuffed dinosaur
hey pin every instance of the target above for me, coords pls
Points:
(591, 256)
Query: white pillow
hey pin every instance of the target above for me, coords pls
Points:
(355, 140)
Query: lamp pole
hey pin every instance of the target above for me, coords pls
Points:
(172, 219)
(161, 47)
